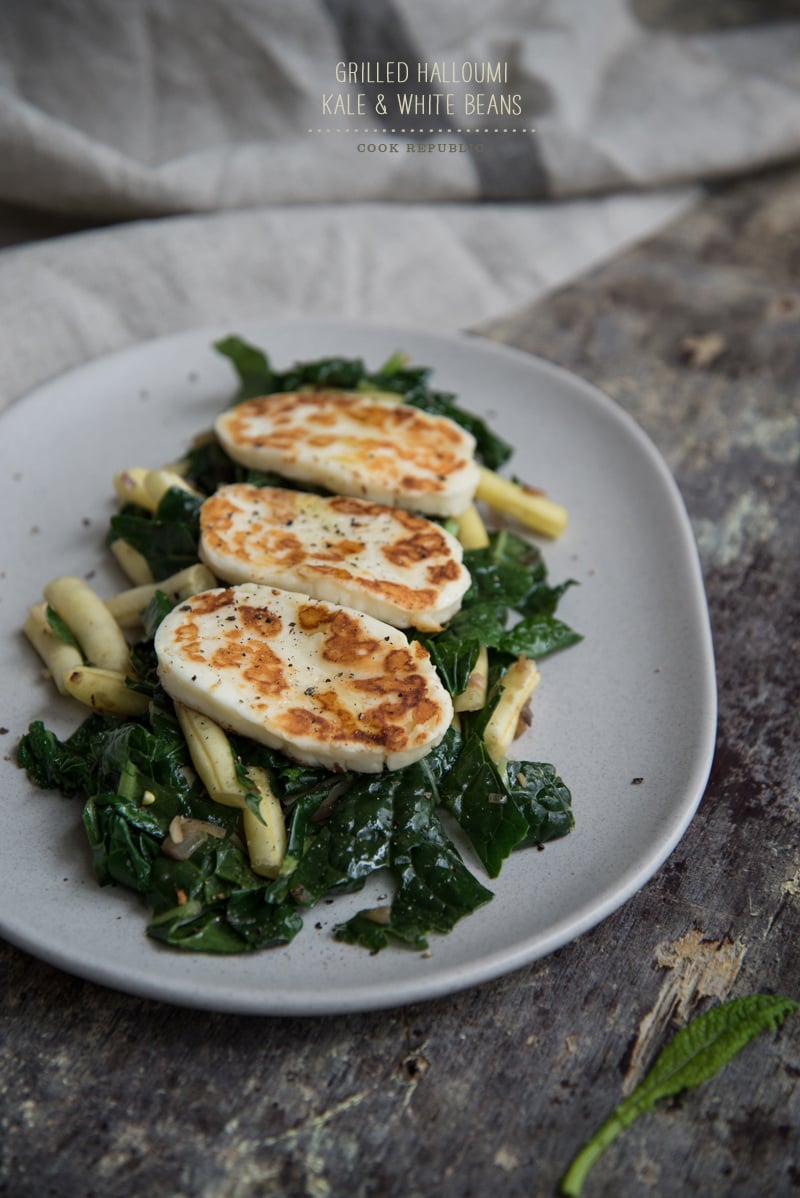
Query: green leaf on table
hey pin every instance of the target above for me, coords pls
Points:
(693, 1056)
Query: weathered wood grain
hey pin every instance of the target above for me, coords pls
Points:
(697, 334)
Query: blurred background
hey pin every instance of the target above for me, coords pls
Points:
(209, 158)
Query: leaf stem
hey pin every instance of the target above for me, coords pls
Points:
(695, 1054)
(572, 1182)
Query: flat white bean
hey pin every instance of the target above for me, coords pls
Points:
(518, 684)
(265, 833)
(133, 563)
(104, 690)
(212, 756)
(90, 622)
(130, 487)
(127, 606)
(57, 655)
(158, 482)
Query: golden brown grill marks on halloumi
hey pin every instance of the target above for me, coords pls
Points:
(356, 444)
(382, 560)
(394, 697)
(325, 684)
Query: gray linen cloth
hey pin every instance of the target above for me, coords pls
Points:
(216, 167)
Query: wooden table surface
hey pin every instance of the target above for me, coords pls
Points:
(491, 1091)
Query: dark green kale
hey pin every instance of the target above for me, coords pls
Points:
(434, 889)
(341, 830)
(166, 538)
(508, 578)
(208, 467)
(257, 377)
(60, 628)
(135, 780)
(69, 766)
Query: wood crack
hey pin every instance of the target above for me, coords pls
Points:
(699, 968)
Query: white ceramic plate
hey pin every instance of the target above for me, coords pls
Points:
(635, 700)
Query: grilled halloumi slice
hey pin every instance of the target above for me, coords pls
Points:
(325, 684)
(385, 561)
(356, 444)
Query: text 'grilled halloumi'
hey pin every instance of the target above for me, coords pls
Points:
(356, 444)
(385, 561)
(325, 684)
